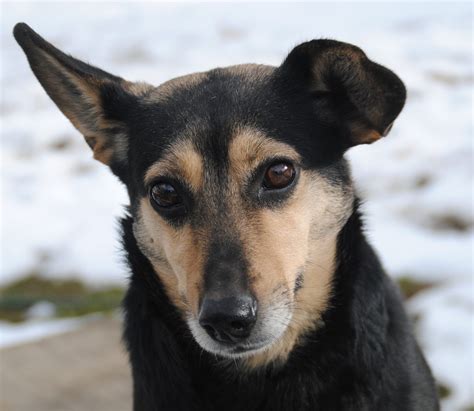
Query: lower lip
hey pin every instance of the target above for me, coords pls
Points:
(243, 350)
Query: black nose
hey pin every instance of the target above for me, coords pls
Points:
(229, 319)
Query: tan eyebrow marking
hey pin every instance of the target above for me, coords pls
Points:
(250, 147)
(180, 159)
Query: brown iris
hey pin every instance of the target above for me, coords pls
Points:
(279, 176)
(165, 195)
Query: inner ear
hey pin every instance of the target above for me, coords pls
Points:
(97, 103)
(360, 97)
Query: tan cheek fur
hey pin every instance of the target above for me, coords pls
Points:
(276, 244)
(280, 243)
(176, 256)
(300, 237)
(311, 301)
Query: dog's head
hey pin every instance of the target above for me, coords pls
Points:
(236, 177)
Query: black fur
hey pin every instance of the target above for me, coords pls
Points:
(326, 97)
(364, 358)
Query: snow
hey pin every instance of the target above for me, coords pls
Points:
(41, 310)
(59, 208)
(14, 334)
(446, 335)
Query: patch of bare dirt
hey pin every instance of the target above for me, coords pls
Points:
(81, 370)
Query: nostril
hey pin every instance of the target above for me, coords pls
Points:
(210, 330)
(217, 334)
(237, 325)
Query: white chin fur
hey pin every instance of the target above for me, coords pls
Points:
(267, 331)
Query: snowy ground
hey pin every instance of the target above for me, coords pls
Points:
(13, 334)
(59, 208)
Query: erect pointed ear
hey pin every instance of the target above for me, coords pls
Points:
(350, 91)
(94, 101)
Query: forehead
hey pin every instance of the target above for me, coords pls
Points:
(206, 111)
(247, 148)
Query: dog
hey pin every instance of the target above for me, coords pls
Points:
(252, 284)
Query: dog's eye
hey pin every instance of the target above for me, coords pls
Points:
(165, 195)
(279, 176)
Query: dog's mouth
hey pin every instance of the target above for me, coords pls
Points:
(245, 347)
(239, 350)
(270, 327)
(249, 349)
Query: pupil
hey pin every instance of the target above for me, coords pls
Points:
(281, 170)
(165, 195)
(166, 189)
(279, 175)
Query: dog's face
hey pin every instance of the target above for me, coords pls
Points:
(236, 179)
(225, 206)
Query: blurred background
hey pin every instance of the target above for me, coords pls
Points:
(62, 275)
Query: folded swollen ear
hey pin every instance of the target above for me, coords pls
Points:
(94, 101)
(359, 97)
